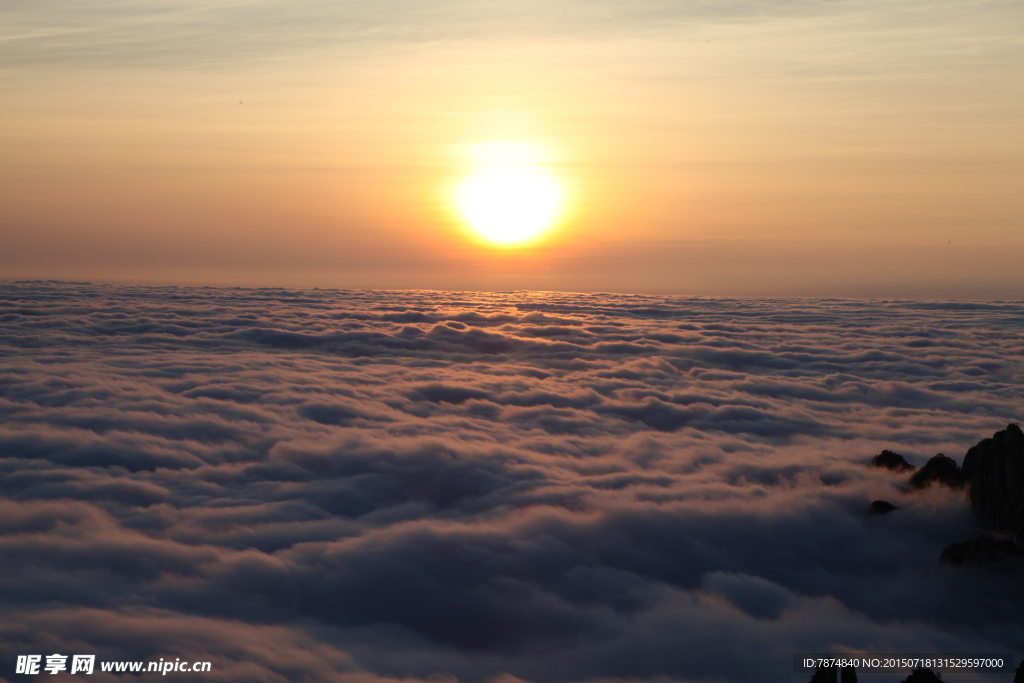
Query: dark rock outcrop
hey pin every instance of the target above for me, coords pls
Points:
(922, 676)
(891, 461)
(881, 507)
(995, 470)
(1019, 676)
(983, 551)
(825, 674)
(940, 469)
(831, 674)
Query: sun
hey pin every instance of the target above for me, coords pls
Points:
(509, 198)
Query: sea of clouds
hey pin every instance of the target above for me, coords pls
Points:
(318, 485)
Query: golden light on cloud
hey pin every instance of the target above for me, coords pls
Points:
(509, 198)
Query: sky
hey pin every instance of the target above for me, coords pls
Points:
(860, 148)
(372, 487)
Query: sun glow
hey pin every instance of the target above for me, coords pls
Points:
(509, 198)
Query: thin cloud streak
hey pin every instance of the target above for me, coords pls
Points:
(155, 34)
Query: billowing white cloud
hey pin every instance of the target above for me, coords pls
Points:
(332, 485)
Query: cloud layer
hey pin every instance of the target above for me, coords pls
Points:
(353, 486)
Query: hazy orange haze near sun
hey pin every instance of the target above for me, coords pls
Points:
(857, 148)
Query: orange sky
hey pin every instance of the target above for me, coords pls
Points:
(858, 148)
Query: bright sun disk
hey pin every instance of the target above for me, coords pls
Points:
(508, 200)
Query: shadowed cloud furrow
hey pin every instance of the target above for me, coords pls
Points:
(357, 486)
